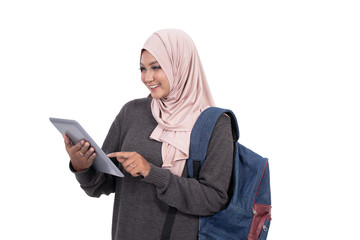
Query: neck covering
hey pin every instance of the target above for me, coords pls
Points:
(189, 95)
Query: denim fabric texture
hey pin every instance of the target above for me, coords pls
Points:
(248, 213)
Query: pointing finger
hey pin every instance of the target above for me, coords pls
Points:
(121, 155)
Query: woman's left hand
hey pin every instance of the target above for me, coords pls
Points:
(133, 163)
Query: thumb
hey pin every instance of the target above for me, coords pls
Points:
(67, 141)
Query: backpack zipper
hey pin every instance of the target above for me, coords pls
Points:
(254, 211)
(264, 228)
(262, 177)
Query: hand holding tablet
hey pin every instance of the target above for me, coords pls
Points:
(84, 151)
(82, 155)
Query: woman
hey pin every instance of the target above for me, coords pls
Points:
(150, 140)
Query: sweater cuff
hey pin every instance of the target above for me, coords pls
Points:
(158, 176)
(83, 176)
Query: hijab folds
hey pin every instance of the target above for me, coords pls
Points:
(189, 95)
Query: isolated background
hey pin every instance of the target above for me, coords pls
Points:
(288, 69)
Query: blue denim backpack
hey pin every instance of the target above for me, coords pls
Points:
(248, 213)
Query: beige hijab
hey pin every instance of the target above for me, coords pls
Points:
(189, 95)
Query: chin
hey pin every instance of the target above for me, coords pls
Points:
(157, 96)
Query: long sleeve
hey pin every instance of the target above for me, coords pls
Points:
(144, 202)
(207, 195)
(96, 183)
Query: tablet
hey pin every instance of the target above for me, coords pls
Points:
(76, 133)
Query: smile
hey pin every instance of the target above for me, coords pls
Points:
(154, 86)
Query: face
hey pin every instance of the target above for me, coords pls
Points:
(153, 76)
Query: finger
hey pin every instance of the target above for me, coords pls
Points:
(89, 152)
(92, 158)
(133, 170)
(135, 173)
(130, 162)
(78, 146)
(123, 155)
(67, 141)
(85, 147)
(129, 166)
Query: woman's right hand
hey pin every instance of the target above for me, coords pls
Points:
(81, 154)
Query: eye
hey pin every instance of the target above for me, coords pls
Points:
(156, 67)
(142, 69)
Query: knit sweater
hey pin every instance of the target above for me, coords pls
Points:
(141, 204)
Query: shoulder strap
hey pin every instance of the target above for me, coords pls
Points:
(168, 224)
(201, 135)
(199, 141)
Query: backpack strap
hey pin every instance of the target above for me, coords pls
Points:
(168, 224)
(201, 135)
(199, 142)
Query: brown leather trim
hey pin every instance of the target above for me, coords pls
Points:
(261, 213)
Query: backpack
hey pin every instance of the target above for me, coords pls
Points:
(248, 213)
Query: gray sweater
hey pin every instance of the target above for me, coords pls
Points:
(141, 204)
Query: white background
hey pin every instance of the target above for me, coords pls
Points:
(288, 69)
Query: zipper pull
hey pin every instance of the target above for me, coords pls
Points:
(254, 212)
(264, 228)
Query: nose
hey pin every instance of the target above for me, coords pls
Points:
(149, 77)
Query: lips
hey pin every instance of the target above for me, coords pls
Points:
(153, 87)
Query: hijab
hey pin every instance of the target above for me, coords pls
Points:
(189, 95)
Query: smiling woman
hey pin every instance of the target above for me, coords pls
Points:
(153, 76)
(149, 141)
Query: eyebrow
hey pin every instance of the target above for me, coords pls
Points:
(154, 62)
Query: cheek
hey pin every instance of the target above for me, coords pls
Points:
(161, 77)
(143, 77)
